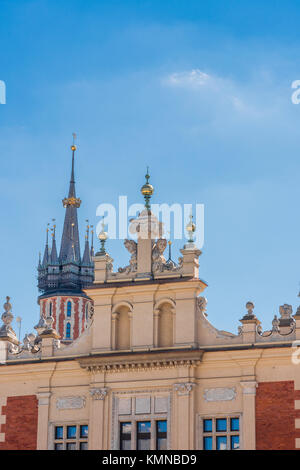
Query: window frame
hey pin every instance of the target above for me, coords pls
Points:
(214, 433)
(64, 441)
(134, 429)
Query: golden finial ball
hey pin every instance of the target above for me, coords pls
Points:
(73, 148)
(147, 189)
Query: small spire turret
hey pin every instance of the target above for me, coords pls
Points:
(86, 259)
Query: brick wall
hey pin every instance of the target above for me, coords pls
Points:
(275, 416)
(20, 427)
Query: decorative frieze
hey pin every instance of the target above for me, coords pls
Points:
(219, 394)
(98, 393)
(140, 366)
(70, 403)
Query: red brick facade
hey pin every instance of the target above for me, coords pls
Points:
(59, 313)
(275, 416)
(20, 428)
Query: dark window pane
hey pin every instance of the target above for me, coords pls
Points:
(59, 432)
(59, 446)
(221, 424)
(207, 443)
(143, 435)
(71, 432)
(125, 436)
(235, 424)
(161, 435)
(83, 446)
(235, 442)
(68, 331)
(84, 430)
(69, 309)
(207, 425)
(221, 442)
(71, 446)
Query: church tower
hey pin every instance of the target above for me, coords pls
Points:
(62, 278)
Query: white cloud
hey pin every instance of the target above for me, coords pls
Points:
(188, 79)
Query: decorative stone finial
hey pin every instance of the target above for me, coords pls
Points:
(41, 326)
(250, 308)
(6, 331)
(249, 317)
(275, 324)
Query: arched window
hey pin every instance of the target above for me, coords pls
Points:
(50, 309)
(68, 331)
(69, 309)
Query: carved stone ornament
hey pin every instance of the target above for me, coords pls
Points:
(158, 259)
(98, 393)
(201, 305)
(131, 246)
(183, 389)
(219, 394)
(285, 311)
(70, 403)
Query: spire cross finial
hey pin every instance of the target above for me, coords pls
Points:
(92, 239)
(73, 146)
(47, 232)
(87, 229)
(53, 229)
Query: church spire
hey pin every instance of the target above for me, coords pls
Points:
(86, 259)
(70, 246)
(53, 256)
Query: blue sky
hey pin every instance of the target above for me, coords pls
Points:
(199, 91)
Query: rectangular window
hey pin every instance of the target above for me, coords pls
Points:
(221, 433)
(125, 436)
(148, 433)
(71, 437)
(161, 435)
(143, 435)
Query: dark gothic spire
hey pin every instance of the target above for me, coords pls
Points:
(86, 259)
(70, 246)
(53, 256)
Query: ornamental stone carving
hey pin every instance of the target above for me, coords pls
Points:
(201, 305)
(219, 394)
(98, 393)
(70, 403)
(249, 387)
(184, 389)
(131, 246)
(158, 259)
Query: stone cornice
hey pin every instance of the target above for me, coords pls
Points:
(142, 362)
